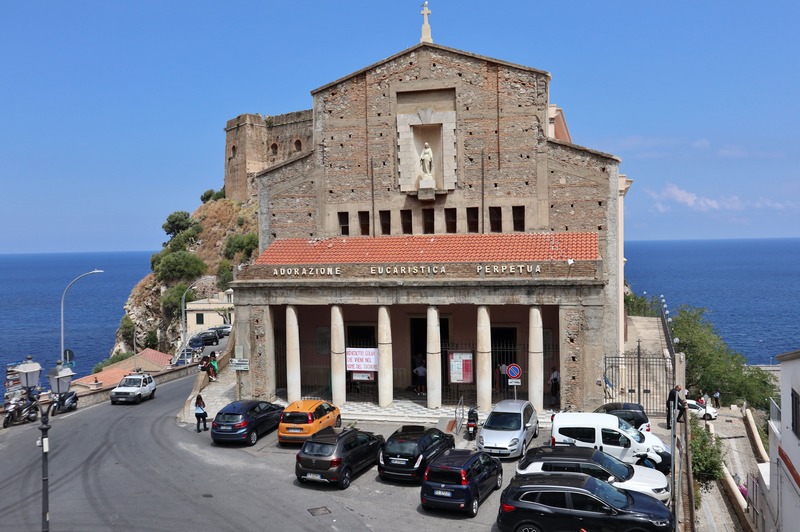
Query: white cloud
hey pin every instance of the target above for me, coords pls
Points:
(701, 144)
(673, 194)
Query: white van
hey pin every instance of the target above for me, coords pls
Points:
(611, 435)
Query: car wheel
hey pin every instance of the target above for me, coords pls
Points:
(53, 410)
(499, 483)
(252, 438)
(113, 402)
(153, 395)
(707, 417)
(472, 511)
(338, 421)
(536, 431)
(527, 528)
(344, 480)
(138, 399)
(6, 421)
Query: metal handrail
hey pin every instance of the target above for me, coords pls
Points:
(459, 414)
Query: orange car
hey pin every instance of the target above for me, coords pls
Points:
(303, 418)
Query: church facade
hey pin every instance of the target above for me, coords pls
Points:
(430, 210)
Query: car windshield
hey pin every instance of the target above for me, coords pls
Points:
(619, 469)
(503, 421)
(612, 496)
(127, 383)
(631, 432)
(313, 448)
(444, 476)
(400, 447)
(298, 418)
(223, 417)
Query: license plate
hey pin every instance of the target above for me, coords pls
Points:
(396, 461)
(313, 476)
(292, 429)
(443, 493)
(224, 427)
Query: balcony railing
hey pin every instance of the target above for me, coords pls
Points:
(775, 414)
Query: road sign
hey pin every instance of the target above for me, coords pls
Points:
(240, 364)
(513, 371)
(515, 382)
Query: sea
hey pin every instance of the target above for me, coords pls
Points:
(749, 288)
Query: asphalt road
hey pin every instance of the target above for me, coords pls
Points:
(132, 467)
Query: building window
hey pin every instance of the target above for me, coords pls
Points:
(199, 319)
(363, 222)
(344, 223)
(795, 413)
(298, 145)
(274, 149)
(472, 219)
(405, 222)
(450, 218)
(518, 214)
(495, 219)
(386, 222)
(427, 221)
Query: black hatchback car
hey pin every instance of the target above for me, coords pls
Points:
(566, 502)
(335, 455)
(633, 413)
(245, 421)
(460, 479)
(410, 449)
(203, 339)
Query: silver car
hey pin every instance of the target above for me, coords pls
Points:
(508, 430)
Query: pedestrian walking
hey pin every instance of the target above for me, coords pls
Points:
(716, 398)
(675, 401)
(200, 412)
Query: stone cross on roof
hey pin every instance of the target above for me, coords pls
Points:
(426, 28)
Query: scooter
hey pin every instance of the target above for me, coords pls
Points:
(64, 402)
(22, 409)
(472, 423)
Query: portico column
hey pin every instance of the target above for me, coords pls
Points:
(270, 374)
(483, 364)
(293, 390)
(536, 358)
(434, 359)
(338, 363)
(385, 366)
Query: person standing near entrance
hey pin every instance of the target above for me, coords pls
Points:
(422, 378)
(675, 401)
(504, 376)
(716, 398)
(555, 383)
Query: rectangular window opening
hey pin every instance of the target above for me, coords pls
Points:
(386, 222)
(363, 222)
(518, 214)
(344, 223)
(427, 221)
(472, 220)
(405, 222)
(450, 220)
(495, 219)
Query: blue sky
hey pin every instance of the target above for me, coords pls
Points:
(113, 112)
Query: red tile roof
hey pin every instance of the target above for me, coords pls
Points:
(503, 247)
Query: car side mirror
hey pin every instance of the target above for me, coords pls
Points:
(627, 444)
(528, 425)
(611, 479)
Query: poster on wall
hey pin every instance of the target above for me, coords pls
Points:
(460, 368)
(362, 358)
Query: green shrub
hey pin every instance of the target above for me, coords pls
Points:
(240, 221)
(178, 266)
(244, 244)
(219, 194)
(185, 239)
(126, 328)
(171, 301)
(224, 274)
(706, 454)
(177, 222)
(207, 195)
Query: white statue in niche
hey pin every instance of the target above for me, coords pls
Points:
(426, 160)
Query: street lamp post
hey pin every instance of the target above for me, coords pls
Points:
(183, 310)
(64, 295)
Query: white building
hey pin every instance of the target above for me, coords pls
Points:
(202, 314)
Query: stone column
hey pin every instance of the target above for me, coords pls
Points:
(270, 372)
(385, 364)
(536, 358)
(338, 362)
(483, 362)
(434, 359)
(293, 389)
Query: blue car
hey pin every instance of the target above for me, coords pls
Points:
(245, 421)
(459, 480)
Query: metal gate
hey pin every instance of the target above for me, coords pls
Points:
(637, 377)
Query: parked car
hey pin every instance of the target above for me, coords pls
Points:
(245, 421)
(336, 455)
(510, 427)
(567, 502)
(633, 413)
(186, 356)
(595, 463)
(705, 411)
(303, 418)
(203, 339)
(410, 449)
(133, 388)
(612, 435)
(459, 480)
(222, 330)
